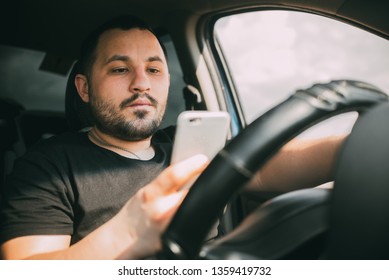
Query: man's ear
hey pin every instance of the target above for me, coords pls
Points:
(81, 83)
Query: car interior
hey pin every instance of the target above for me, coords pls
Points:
(45, 36)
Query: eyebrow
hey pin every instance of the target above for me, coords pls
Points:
(125, 58)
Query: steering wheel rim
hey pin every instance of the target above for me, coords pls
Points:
(245, 154)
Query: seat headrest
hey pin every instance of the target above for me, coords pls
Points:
(10, 108)
(76, 111)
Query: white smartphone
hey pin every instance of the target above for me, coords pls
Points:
(200, 132)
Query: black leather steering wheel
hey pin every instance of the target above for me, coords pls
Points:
(247, 152)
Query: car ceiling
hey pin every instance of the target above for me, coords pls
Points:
(58, 27)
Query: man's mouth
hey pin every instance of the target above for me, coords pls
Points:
(139, 101)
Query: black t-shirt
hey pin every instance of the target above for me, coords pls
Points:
(70, 186)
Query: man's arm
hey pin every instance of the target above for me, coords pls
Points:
(133, 233)
(299, 164)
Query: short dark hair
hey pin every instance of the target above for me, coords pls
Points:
(89, 45)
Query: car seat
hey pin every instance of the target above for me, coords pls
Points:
(21, 128)
(38, 125)
(11, 143)
(76, 111)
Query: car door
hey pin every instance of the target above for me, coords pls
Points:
(264, 56)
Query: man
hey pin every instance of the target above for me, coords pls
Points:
(108, 193)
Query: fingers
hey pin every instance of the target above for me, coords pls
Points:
(165, 206)
(175, 177)
(148, 212)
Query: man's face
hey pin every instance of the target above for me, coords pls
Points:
(129, 84)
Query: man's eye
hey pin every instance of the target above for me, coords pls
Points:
(154, 70)
(119, 70)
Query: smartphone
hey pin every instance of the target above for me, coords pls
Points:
(200, 132)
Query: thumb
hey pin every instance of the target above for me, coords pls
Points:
(175, 177)
(166, 205)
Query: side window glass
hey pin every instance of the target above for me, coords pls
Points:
(273, 53)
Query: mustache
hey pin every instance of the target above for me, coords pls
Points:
(136, 96)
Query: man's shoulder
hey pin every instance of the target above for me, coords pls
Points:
(65, 137)
(58, 143)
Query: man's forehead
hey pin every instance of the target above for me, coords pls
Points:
(131, 36)
(119, 42)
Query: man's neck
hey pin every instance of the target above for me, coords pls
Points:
(140, 149)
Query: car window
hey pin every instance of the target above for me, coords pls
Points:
(21, 80)
(273, 53)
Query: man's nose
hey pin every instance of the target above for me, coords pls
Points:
(140, 81)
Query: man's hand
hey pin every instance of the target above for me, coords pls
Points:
(147, 214)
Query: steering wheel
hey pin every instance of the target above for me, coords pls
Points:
(247, 152)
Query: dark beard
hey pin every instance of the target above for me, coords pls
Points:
(108, 120)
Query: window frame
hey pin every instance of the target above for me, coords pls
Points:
(240, 206)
